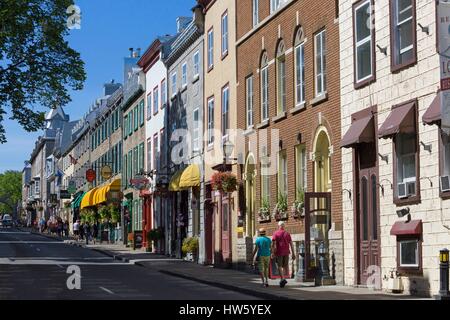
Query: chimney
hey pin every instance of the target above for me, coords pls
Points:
(138, 52)
(131, 52)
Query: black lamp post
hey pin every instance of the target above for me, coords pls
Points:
(444, 293)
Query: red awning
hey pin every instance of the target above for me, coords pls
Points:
(401, 119)
(401, 228)
(433, 113)
(361, 131)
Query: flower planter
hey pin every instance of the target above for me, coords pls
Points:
(298, 211)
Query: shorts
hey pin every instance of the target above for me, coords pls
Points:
(263, 265)
(282, 261)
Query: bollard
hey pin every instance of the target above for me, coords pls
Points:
(300, 277)
(324, 267)
(444, 293)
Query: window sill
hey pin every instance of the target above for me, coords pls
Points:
(407, 201)
(263, 124)
(250, 130)
(444, 195)
(298, 108)
(400, 67)
(319, 99)
(279, 117)
(224, 55)
(210, 68)
(210, 147)
(184, 88)
(173, 96)
(196, 78)
(404, 271)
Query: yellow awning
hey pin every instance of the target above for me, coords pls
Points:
(88, 199)
(102, 192)
(174, 184)
(190, 177)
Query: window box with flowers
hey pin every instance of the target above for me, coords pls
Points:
(298, 207)
(224, 182)
(264, 211)
(280, 211)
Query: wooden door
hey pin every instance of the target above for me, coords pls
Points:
(226, 230)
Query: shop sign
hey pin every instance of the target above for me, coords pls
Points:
(64, 194)
(443, 28)
(106, 172)
(72, 188)
(90, 175)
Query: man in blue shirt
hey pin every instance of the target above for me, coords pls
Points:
(262, 252)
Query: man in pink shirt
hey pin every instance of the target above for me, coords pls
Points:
(281, 242)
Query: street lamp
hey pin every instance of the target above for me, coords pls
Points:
(228, 148)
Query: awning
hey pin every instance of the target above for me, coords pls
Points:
(402, 228)
(174, 184)
(76, 202)
(88, 199)
(433, 113)
(401, 119)
(190, 177)
(361, 131)
(101, 196)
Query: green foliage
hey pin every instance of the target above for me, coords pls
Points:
(190, 245)
(104, 213)
(264, 210)
(38, 66)
(282, 204)
(10, 191)
(155, 234)
(88, 215)
(114, 213)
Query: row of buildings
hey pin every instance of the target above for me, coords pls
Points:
(326, 113)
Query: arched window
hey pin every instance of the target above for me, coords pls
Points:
(299, 44)
(264, 76)
(281, 78)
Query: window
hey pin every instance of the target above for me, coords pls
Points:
(163, 93)
(136, 117)
(409, 253)
(300, 94)
(255, 12)
(130, 122)
(210, 121)
(277, 4)
(210, 49)
(141, 113)
(130, 165)
(364, 41)
(264, 89)
(162, 148)
(196, 131)
(225, 110)
(320, 63)
(174, 84)
(155, 100)
(281, 79)
(37, 187)
(249, 100)
(125, 170)
(149, 154)
(196, 63)
(155, 152)
(300, 170)
(224, 34)
(141, 157)
(282, 173)
(149, 106)
(403, 33)
(136, 160)
(265, 185)
(406, 163)
(184, 75)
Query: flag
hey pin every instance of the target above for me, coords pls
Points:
(72, 160)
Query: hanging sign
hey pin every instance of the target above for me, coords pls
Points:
(443, 29)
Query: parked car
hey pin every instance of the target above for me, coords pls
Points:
(7, 221)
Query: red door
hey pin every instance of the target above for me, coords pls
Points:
(226, 231)
(368, 212)
(209, 213)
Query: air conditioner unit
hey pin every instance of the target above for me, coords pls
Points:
(402, 191)
(445, 183)
(411, 188)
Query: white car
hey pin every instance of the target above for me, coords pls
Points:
(7, 221)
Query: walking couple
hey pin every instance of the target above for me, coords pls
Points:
(278, 249)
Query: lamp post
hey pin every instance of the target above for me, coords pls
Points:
(444, 293)
(300, 277)
(228, 148)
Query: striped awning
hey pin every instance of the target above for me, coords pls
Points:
(174, 184)
(88, 199)
(101, 196)
(190, 177)
(76, 202)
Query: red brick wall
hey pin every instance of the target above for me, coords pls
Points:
(313, 16)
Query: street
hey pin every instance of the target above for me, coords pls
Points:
(35, 267)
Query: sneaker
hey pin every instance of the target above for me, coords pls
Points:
(283, 283)
(266, 284)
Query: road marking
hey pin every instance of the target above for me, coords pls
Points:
(37, 249)
(31, 242)
(60, 266)
(55, 262)
(152, 260)
(14, 232)
(106, 290)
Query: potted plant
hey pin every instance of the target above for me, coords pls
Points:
(264, 210)
(281, 208)
(104, 213)
(298, 207)
(190, 246)
(224, 182)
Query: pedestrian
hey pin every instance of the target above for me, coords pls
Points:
(262, 253)
(281, 242)
(76, 229)
(94, 232)
(81, 228)
(66, 228)
(87, 232)
(59, 227)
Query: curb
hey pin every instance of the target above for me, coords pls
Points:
(108, 253)
(254, 293)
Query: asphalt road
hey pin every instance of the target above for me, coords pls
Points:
(34, 267)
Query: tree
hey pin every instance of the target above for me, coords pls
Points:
(37, 66)
(10, 191)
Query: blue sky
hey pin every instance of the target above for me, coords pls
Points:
(108, 29)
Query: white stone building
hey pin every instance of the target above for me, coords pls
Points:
(392, 144)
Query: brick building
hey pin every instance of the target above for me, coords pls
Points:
(288, 104)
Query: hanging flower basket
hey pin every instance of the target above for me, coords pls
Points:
(224, 182)
(298, 210)
(264, 211)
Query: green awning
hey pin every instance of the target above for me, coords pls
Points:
(77, 200)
